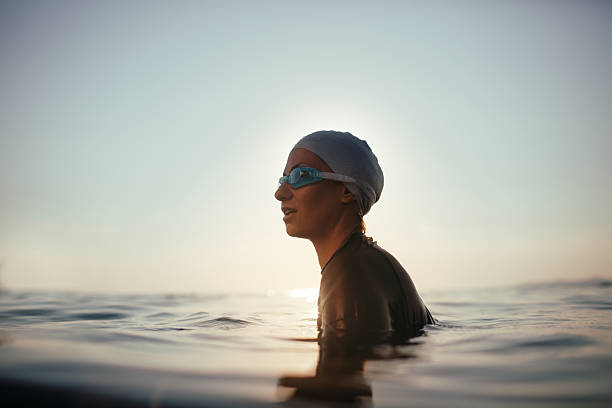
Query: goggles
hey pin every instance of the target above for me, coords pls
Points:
(302, 176)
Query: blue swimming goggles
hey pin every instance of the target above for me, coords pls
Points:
(302, 176)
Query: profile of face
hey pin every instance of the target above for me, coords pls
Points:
(313, 210)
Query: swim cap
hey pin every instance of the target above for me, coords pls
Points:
(351, 156)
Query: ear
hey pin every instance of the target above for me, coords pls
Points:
(347, 196)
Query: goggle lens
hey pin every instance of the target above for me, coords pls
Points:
(300, 177)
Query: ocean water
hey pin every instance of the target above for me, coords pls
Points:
(544, 345)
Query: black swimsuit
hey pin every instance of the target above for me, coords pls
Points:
(365, 292)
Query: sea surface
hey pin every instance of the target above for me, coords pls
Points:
(538, 345)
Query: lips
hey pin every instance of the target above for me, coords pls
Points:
(288, 212)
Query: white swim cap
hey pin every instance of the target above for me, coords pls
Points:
(351, 156)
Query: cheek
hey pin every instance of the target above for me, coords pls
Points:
(320, 204)
(317, 209)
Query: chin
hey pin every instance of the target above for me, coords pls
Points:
(292, 231)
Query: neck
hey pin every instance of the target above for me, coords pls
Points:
(327, 244)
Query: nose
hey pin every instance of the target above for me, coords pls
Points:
(283, 192)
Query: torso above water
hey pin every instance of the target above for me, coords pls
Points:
(366, 292)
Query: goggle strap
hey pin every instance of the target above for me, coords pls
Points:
(336, 177)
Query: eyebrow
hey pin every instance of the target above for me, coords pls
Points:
(297, 165)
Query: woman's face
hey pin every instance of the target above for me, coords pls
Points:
(312, 210)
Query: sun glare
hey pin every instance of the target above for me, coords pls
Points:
(309, 294)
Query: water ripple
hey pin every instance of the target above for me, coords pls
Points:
(225, 323)
(562, 340)
(98, 316)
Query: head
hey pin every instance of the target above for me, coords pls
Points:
(320, 206)
(316, 208)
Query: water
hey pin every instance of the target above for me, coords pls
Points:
(547, 345)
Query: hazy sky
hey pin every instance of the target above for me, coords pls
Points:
(141, 142)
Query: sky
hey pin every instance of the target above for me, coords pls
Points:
(141, 142)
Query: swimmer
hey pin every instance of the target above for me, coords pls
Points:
(330, 181)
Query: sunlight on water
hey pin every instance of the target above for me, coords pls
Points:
(310, 294)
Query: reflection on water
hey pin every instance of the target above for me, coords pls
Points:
(339, 375)
(535, 345)
(337, 378)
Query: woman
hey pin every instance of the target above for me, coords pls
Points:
(330, 182)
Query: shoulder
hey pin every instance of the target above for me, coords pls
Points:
(361, 264)
(352, 298)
